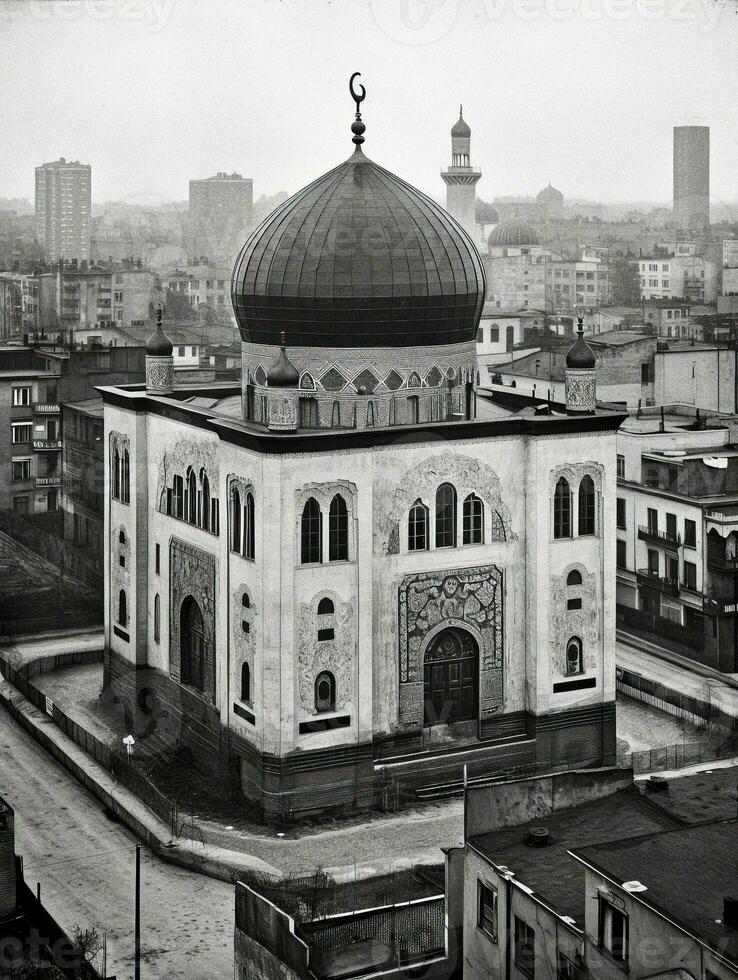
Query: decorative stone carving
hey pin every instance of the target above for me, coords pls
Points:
(573, 473)
(464, 472)
(470, 598)
(337, 655)
(565, 623)
(580, 391)
(282, 410)
(175, 461)
(192, 573)
(159, 375)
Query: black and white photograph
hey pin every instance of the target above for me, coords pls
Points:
(368, 489)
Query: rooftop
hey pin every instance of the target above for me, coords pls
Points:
(687, 873)
(617, 338)
(89, 406)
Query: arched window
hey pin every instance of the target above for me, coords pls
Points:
(338, 549)
(574, 577)
(325, 606)
(586, 506)
(205, 510)
(445, 516)
(122, 536)
(417, 527)
(116, 474)
(193, 645)
(562, 509)
(311, 543)
(325, 692)
(574, 656)
(245, 682)
(245, 601)
(157, 618)
(413, 409)
(122, 608)
(235, 519)
(125, 490)
(473, 520)
(178, 497)
(245, 604)
(191, 497)
(249, 537)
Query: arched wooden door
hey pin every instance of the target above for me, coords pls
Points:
(192, 640)
(451, 672)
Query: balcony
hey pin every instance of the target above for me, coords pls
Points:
(663, 538)
(46, 409)
(47, 445)
(722, 563)
(723, 607)
(48, 481)
(652, 580)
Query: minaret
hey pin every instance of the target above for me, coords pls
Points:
(581, 390)
(461, 179)
(159, 361)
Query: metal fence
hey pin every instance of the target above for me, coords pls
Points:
(680, 755)
(698, 710)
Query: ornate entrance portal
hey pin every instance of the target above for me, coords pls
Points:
(451, 670)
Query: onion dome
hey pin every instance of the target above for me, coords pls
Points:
(550, 195)
(461, 128)
(486, 214)
(359, 258)
(158, 344)
(283, 373)
(514, 232)
(580, 356)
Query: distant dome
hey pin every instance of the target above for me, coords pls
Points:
(550, 195)
(513, 232)
(461, 129)
(359, 258)
(580, 356)
(486, 213)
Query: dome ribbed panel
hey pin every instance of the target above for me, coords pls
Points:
(359, 258)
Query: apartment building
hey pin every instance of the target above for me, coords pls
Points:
(677, 534)
(577, 283)
(83, 476)
(689, 277)
(63, 208)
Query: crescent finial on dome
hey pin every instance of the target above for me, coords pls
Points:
(357, 126)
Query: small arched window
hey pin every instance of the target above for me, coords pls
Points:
(122, 536)
(446, 516)
(122, 608)
(249, 537)
(325, 692)
(325, 606)
(235, 519)
(245, 682)
(574, 656)
(116, 474)
(417, 527)
(311, 536)
(125, 490)
(473, 520)
(205, 512)
(157, 618)
(574, 577)
(562, 509)
(245, 604)
(245, 601)
(191, 505)
(178, 497)
(338, 549)
(586, 506)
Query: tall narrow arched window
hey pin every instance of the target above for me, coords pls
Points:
(473, 520)
(125, 489)
(235, 519)
(311, 536)
(205, 506)
(574, 663)
(116, 474)
(245, 604)
(122, 608)
(586, 506)
(325, 692)
(338, 549)
(191, 502)
(325, 606)
(413, 409)
(245, 682)
(249, 536)
(178, 497)
(417, 527)
(562, 509)
(157, 618)
(445, 516)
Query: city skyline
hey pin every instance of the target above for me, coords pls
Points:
(152, 128)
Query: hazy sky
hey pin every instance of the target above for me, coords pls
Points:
(154, 92)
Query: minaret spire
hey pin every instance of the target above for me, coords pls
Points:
(357, 126)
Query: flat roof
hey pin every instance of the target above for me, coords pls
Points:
(615, 338)
(88, 406)
(687, 873)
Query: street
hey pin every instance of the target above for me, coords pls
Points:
(85, 864)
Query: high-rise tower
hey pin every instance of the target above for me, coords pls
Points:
(461, 178)
(63, 206)
(691, 177)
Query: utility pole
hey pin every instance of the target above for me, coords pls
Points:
(137, 922)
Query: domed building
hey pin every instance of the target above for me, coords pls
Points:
(550, 198)
(360, 567)
(514, 233)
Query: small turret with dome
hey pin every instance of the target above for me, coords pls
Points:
(159, 360)
(581, 390)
